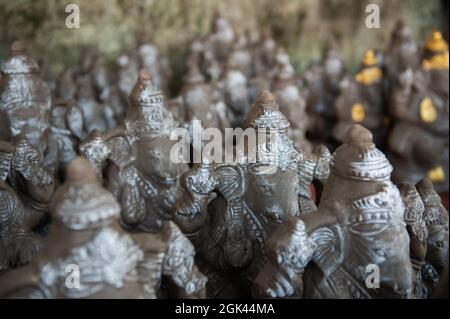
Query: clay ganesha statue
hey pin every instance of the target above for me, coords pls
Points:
(354, 233)
(111, 262)
(418, 233)
(362, 100)
(24, 96)
(427, 224)
(26, 189)
(253, 198)
(322, 89)
(418, 142)
(436, 219)
(134, 159)
(402, 52)
(292, 103)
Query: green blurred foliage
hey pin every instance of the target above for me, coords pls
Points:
(112, 26)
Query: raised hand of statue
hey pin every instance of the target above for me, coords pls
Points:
(96, 152)
(94, 148)
(201, 180)
(289, 251)
(26, 158)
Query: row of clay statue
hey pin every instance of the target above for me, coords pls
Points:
(135, 224)
(128, 222)
(401, 94)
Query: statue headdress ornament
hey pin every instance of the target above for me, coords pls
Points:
(436, 42)
(82, 203)
(277, 150)
(19, 62)
(359, 159)
(371, 72)
(434, 211)
(439, 49)
(265, 114)
(147, 116)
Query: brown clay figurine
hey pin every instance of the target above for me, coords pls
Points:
(26, 189)
(199, 104)
(436, 221)
(402, 52)
(353, 235)
(362, 101)
(253, 198)
(235, 93)
(221, 38)
(96, 116)
(24, 96)
(292, 104)
(418, 234)
(156, 64)
(66, 131)
(128, 70)
(134, 158)
(419, 141)
(435, 62)
(90, 255)
(322, 84)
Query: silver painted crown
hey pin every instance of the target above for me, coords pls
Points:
(359, 159)
(19, 62)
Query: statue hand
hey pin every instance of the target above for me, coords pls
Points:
(94, 148)
(26, 158)
(201, 180)
(271, 283)
(22, 247)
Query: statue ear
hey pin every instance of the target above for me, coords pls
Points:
(231, 180)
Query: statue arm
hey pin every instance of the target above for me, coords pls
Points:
(27, 161)
(289, 251)
(96, 149)
(314, 166)
(179, 267)
(190, 211)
